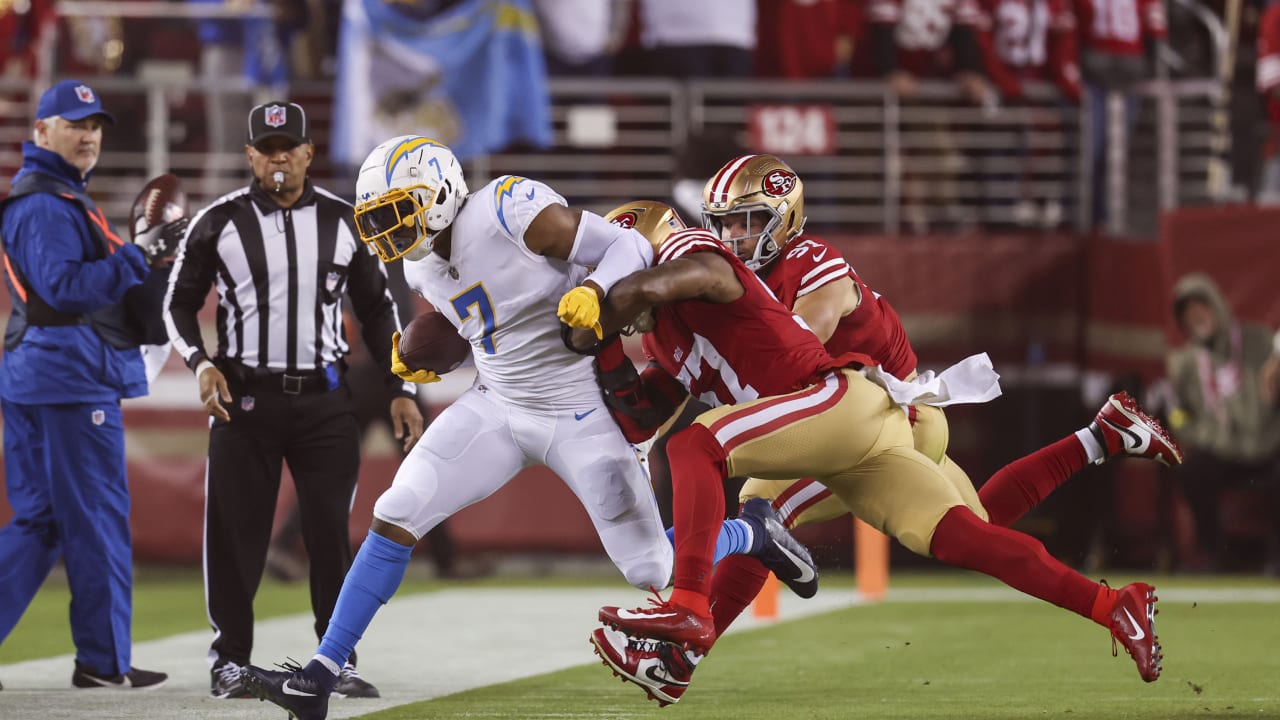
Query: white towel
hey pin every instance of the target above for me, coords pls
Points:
(972, 380)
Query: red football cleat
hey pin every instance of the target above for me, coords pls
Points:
(660, 668)
(1123, 428)
(1132, 622)
(663, 621)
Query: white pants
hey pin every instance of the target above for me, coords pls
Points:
(480, 442)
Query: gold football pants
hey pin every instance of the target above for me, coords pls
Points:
(847, 434)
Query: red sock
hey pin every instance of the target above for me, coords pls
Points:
(697, 497)
(1102, 605)
(692, 599)
(736, 582)
(1027, 481)
(1020, 561)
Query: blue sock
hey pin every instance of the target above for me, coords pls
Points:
(372, 580)
(735, 538)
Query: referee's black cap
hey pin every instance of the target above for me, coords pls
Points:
(278, 118)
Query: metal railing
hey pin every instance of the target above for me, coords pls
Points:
(934, 163)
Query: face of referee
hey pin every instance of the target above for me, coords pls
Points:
(281, 155)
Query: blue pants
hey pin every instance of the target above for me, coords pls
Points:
(65, 475)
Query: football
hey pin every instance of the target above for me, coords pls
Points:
(161, 201)
(431, 342)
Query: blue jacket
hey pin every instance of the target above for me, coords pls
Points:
(49, 239)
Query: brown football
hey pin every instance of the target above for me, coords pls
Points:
(162, 200)
(431, 342)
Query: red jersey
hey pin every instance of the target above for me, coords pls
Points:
(25, 32)
(797, 38)
(921, 29)
(1117, 27)
(926, 35)
(873, 328)
(1036, 40)
(1269, 63)
(728, 353)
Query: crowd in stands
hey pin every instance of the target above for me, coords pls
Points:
(988, 49)
(989, 52)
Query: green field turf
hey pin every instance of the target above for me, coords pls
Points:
(926, 659)
(986, 660)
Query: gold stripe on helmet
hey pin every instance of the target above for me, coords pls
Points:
(654, 220)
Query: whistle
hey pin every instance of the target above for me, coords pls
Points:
(278, 176)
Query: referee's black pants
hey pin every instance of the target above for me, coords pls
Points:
(317, 435)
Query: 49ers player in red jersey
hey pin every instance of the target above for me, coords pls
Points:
(1035, 40)
(840, 428)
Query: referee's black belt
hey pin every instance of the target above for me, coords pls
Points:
(287, 383)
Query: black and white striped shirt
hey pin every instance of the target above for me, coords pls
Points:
(280, 276)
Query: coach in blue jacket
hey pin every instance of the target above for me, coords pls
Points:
(70, 356)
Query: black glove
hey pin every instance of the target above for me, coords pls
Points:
(638, 407)
(160, 242)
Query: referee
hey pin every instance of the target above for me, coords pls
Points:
(282, 254)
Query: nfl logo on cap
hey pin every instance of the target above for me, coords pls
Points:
(274, 116)
(84, 93)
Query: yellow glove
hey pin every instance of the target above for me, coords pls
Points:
(580, 308)
(402, 371)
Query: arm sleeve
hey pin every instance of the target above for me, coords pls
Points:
(613, 251)
(377, 313)
(46, 237)
(189, 282)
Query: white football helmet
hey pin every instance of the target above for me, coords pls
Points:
(409, 189)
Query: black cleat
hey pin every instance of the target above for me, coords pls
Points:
(779, 552)
(301, 696)
(225, 682)
(351, 685)
(135, 679)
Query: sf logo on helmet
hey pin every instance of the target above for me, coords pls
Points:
(779, 183)
(626, 220)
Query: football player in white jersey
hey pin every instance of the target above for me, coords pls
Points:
(501, 263)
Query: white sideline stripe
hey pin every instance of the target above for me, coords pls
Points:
(431, 645)
(419, 647)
